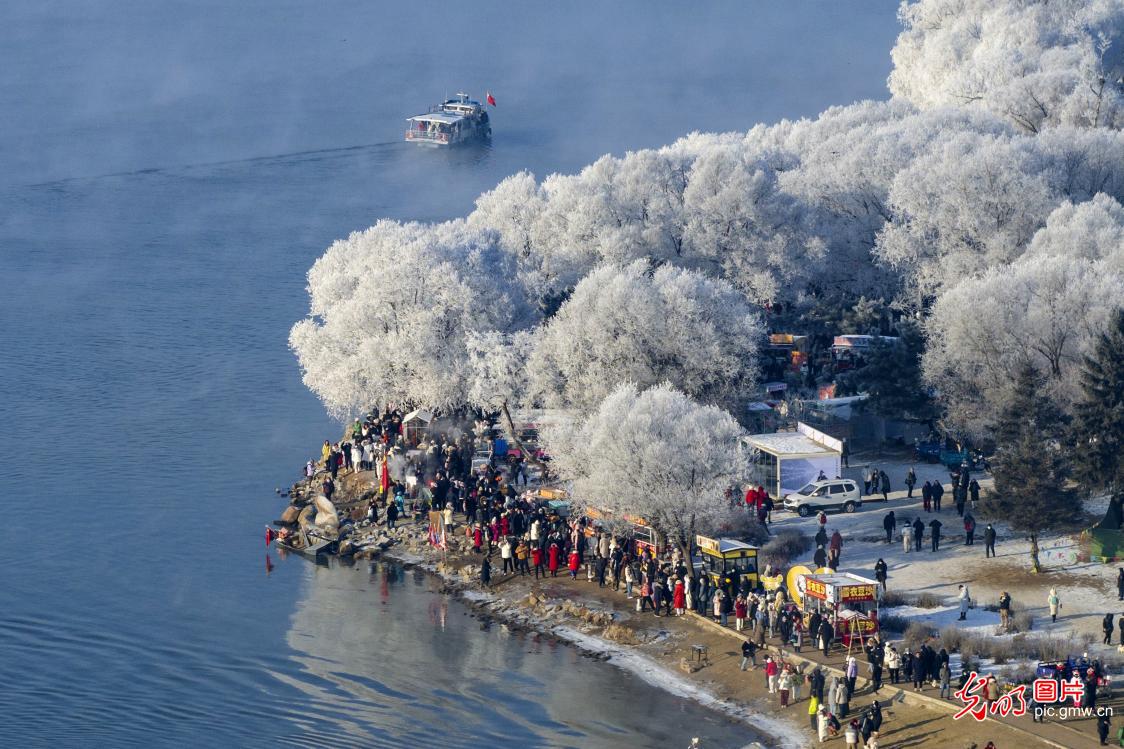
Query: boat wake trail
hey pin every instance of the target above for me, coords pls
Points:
(316, 152)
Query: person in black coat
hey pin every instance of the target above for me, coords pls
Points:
(918, 669)
(927, 495)
(866, 727)
(827, 634)
(918, 533)
(875, 657)
(989, 542)
(818, 684)
(880, 572)
(935, 533)
(786, 629)
(820, 557)
(1089, 682)
(749, 654)
(1120, 584)
(938, 492)
(875, 716)
(890, 522)
(486, 573)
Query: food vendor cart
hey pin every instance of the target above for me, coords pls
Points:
(727, 562)
(850, 602)
(642, 538)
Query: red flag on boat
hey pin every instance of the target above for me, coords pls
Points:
(491, 99)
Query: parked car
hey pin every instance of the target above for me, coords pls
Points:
(480, 459)
(829, 494)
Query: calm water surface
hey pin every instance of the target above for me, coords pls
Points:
(168, 173)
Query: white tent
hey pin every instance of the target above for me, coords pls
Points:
(415, 425)
(785, 461)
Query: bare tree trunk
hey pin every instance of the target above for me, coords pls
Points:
(519, 443)
(1035, 565)
(685, 551)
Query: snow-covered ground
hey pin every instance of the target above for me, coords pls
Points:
(1087, 589)
(979, 621)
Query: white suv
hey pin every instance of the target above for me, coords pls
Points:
(832, 494)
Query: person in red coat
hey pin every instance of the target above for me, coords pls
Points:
(554, 560)
(536, 560)
(477, 539)
(740, 611)
(575, 562)
(679, 598)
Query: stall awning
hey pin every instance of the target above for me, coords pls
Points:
(788, 445)
(419, 415)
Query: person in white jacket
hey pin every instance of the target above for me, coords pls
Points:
(822, 723)
(965, 600)
(893, 663)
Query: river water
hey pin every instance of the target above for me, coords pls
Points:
(168, 173)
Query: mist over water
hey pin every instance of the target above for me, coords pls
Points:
(168, 174)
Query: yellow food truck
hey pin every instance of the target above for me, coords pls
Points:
(728, 561)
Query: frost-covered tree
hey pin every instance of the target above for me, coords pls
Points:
(1039, 64)
(1042, 311)
(643, 325)
(497, 374)
(1093, 230)
(712, 203)
(655, 454)
(738, 220)
(973, 202)
(392, 308)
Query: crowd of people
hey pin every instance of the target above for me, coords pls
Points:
(460, 475)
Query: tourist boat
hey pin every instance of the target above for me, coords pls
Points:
(457, 120)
